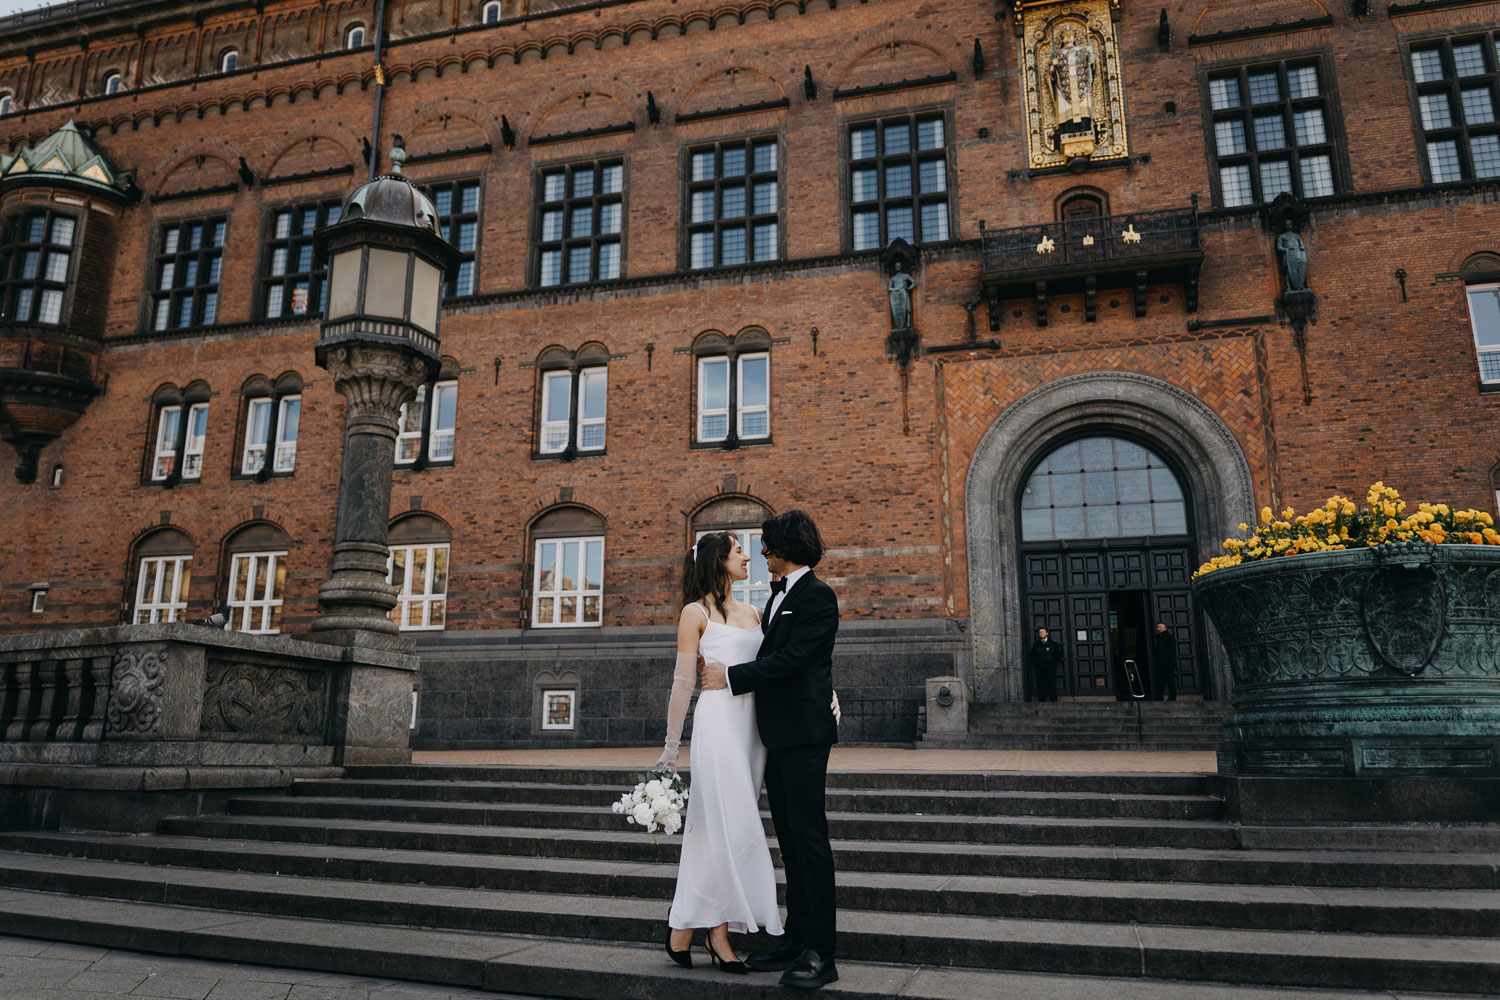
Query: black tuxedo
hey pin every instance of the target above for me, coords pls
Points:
(792, 677)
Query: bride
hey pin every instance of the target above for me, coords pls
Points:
(725, 880)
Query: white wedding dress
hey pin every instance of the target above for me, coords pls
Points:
(725, 874)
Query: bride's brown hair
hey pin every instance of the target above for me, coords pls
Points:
(703, 570)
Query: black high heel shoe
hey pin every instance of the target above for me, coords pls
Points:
(738, 968)
(684, 957)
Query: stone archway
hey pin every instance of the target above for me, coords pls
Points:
(1217, 478)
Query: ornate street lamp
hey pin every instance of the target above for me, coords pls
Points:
(386, 266)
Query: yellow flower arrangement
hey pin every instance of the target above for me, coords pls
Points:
(1339, 524)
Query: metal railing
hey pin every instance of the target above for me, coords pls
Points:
(1133, 236)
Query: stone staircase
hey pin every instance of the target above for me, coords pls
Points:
(952, 886)
(1090, 725)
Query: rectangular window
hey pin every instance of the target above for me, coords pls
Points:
(713, 399)
(756, 587)
(185, 283)
(1484, 317)
(755, 396)
(593, 385)
(457, 204)
(898, 181)
(580, 222)
(258, 432)
(1272, 130)
(171, 435)
(557, 709)
(161, 591)
(420, 575)
(743, 405)
(557, 401)
(733, 203)
(291, 283)
(37, 262)
(257, 581)
(568, 588)
(561, 424)
(428, 433)
(1455, 81)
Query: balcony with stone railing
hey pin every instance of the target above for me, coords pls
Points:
(1133, 250)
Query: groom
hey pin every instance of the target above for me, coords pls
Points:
(792, 678)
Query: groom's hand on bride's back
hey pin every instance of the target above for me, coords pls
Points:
(712, 676)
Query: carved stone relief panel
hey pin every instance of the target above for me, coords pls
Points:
(255, 699)
(1073, 94)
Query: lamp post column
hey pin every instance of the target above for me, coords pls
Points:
(375, 379)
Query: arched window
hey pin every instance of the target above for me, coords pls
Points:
(491, 12)
(742, 516)
(573, 403)
(1101, 487)
(1085, 204)
(1481, 274)
(180, 432)
(162, 561)
(733, 388)
(567, 579)
(256, 559)
(272, 415)
(113, 83)
(418, 569)
(355, 37)
(229, 61)
(7, 104)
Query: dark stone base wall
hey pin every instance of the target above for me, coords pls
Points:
(483, 690)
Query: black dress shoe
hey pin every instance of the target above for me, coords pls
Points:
(810, 971)
(774, 959)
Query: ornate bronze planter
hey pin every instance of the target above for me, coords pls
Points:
(1371, 662)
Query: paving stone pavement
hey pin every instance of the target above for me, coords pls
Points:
(45, 970)
(868, 759)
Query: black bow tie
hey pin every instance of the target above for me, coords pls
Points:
(778, 586)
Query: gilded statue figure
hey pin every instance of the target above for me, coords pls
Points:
(1073, 78)
(1293, 258)
(900, 287)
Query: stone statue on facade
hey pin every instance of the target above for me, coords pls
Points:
(900, 287)
(1293, 254)
(1073, 68)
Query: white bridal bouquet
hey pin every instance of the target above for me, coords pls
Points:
(658, 803)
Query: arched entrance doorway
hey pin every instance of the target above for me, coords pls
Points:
(1106, 552)
(1183, 430)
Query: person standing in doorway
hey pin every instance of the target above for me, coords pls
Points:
(1164, 663)
(1046, 655)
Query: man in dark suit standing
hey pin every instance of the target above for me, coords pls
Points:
(792, 678)
(1046, 654)
(1164, 663)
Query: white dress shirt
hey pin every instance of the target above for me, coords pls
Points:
(791, 581)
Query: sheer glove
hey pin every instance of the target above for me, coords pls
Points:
(683, 679)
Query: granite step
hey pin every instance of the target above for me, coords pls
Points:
(1265, 957)
(200, 877)
(1131, 783)
(842, 825)
(981, 742)
(1331, 868)
(912, 801)
(567, 969)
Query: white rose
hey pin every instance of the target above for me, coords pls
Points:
(672, 823)
(660, 804)
(642, 814)
(653, 789)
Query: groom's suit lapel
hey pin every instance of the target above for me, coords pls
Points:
(788, 604)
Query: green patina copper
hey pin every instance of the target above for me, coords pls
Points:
(69, 157)
(1380, 661)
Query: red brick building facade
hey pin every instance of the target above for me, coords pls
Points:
(675, 214)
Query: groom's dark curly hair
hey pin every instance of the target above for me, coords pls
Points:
(793, 536)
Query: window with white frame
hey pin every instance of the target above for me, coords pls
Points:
(7, 104)
(563, 424)
(568, 586)
(229, 61)
(425, 434)
(113, 83)
(491, 13)
(355, 37)
(173, 435)
(257, 584)
(1484, 318)
(420, 575)
(734, 392)
(755, 589)
(38, 600)
(267, 419)
(161, 590)
(558, 708)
